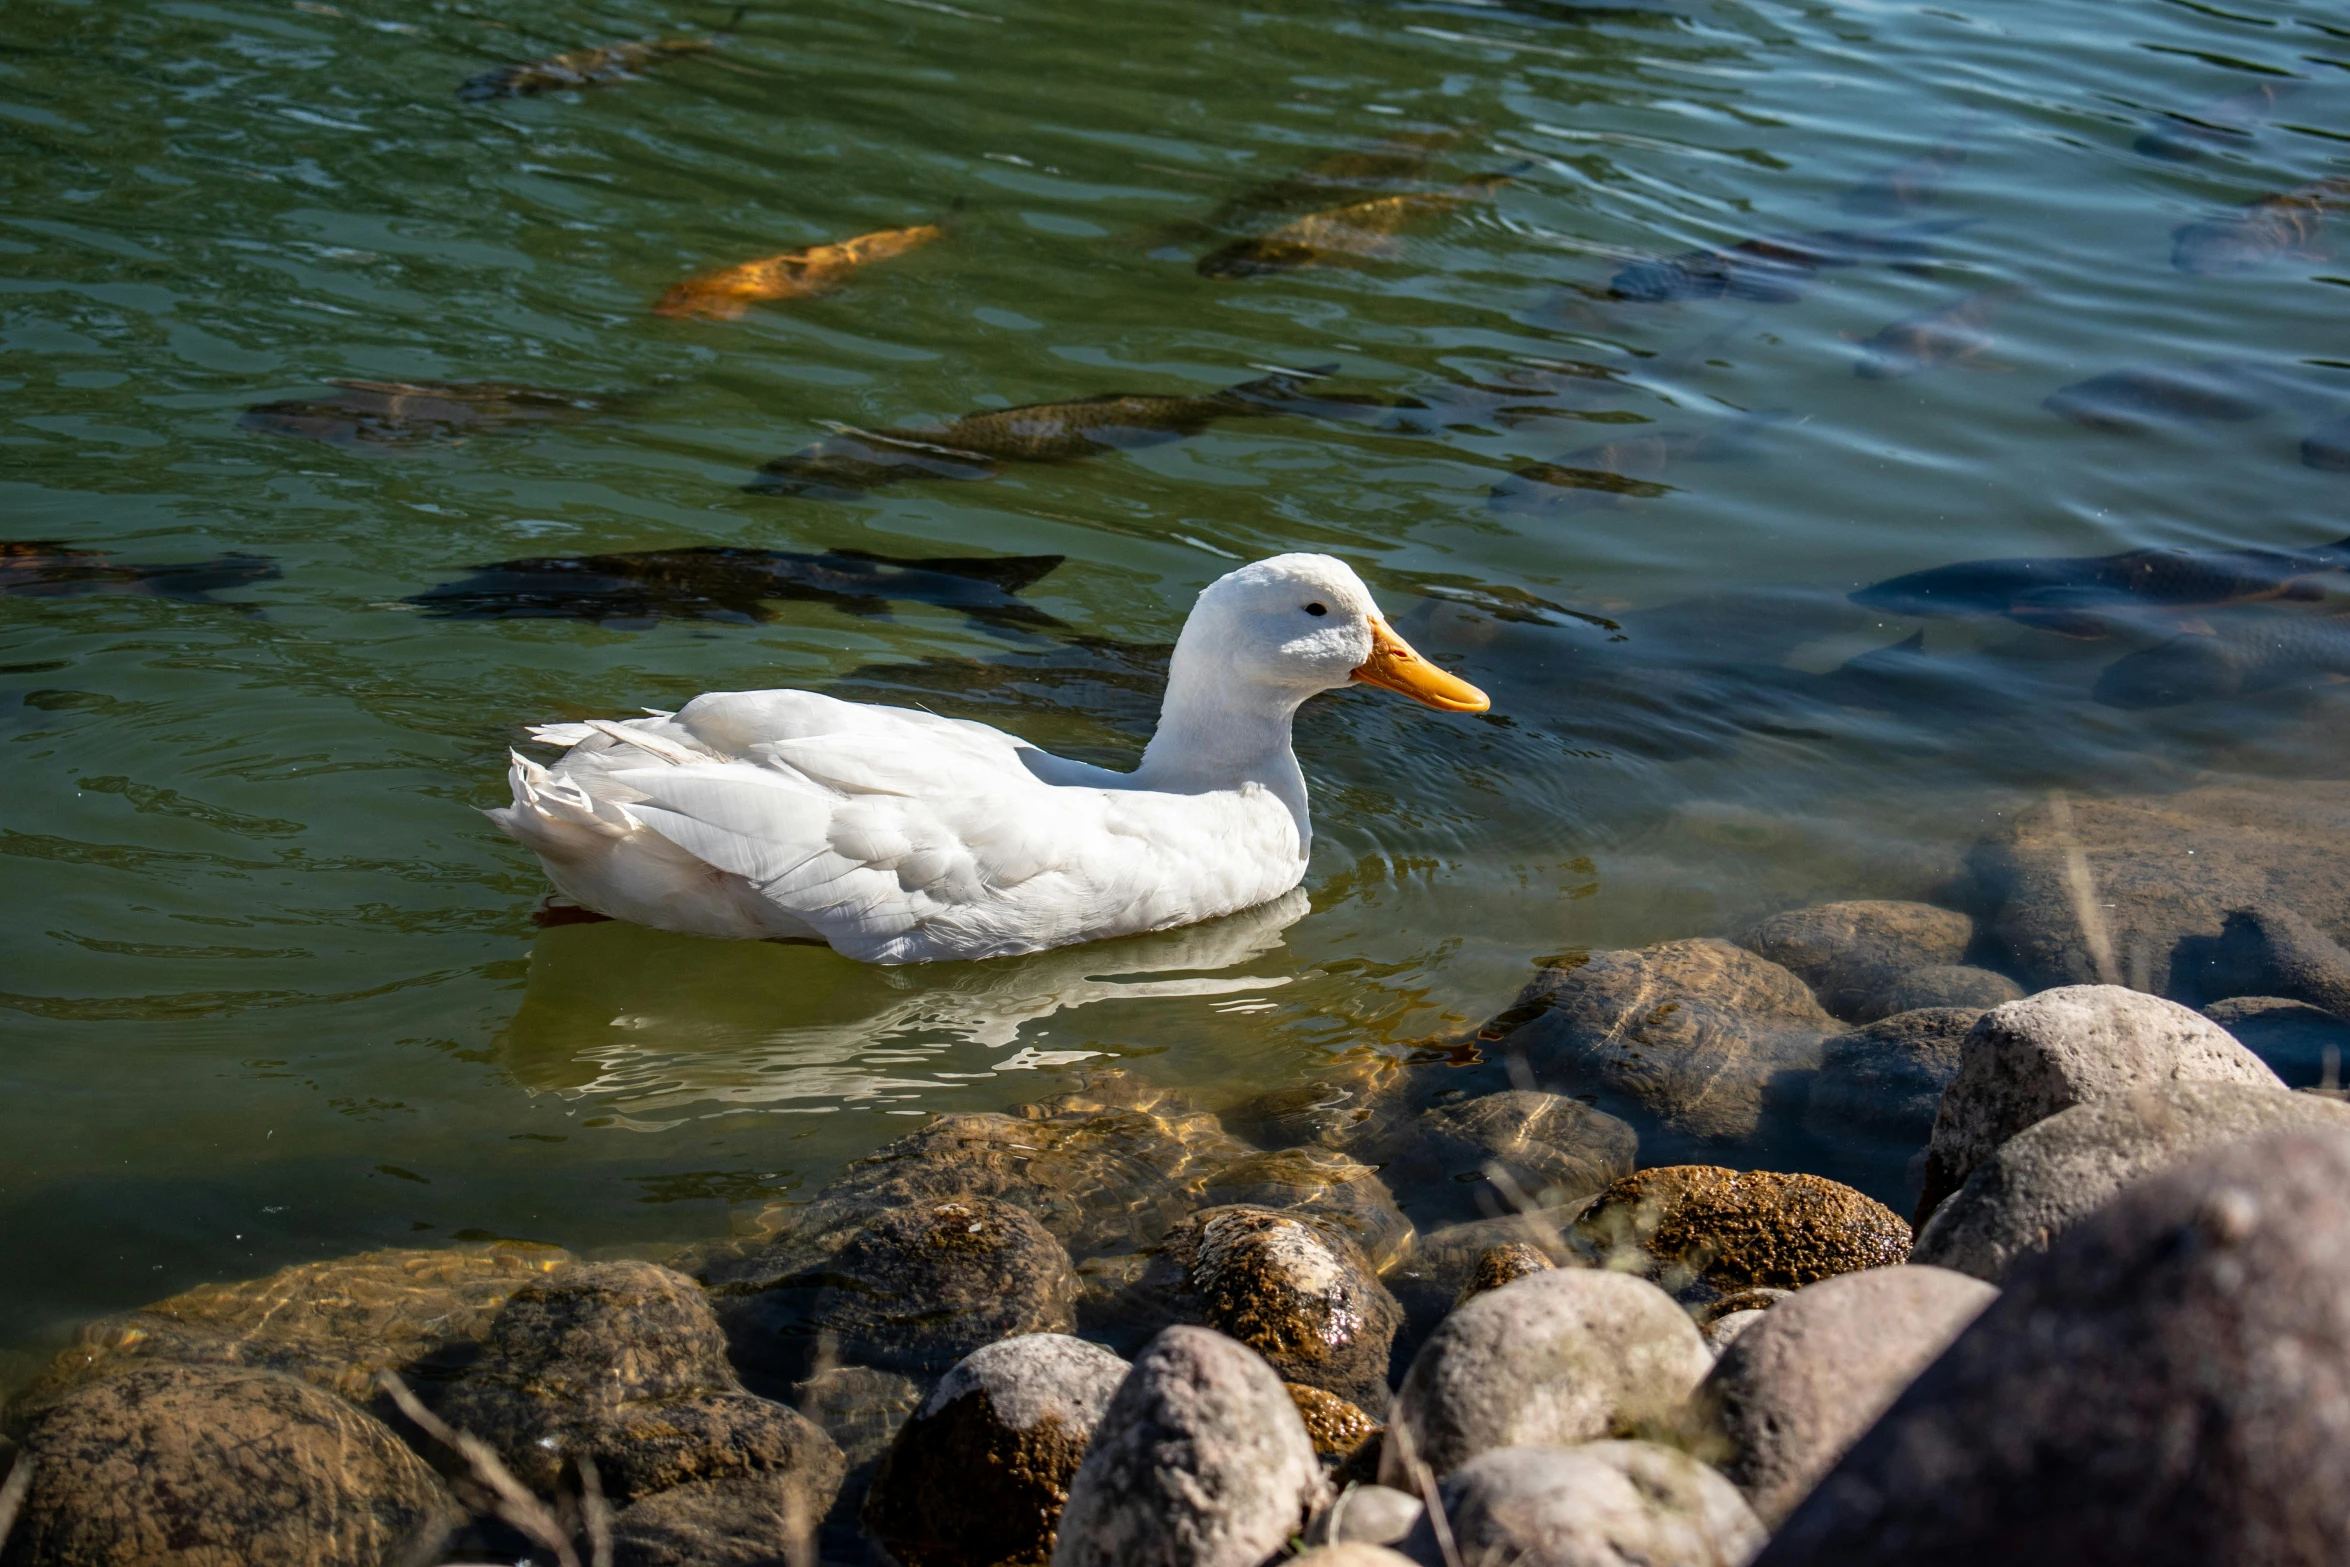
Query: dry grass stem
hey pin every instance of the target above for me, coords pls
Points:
(513, 1503)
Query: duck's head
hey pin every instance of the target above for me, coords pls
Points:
(1306, 623)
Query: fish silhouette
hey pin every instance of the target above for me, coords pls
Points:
(44, 568)
(1360, 230)
(1956, 333)
(852, 461)
(2074, 595)
(2130, 401)
(2182, 138)
(1630, 467)
(2328, 446)
(411, 413)
(2260, 232)
(718, 582)
(1903, 188)
(1385, 168)
(597, 67)
(2266, 654)
(1771, 271)
(725, 294)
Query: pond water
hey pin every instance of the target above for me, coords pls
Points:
(274, 989)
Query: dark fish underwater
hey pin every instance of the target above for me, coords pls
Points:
(1914, 183)
(2261, 231)
(848, 463)
(2242, 659)
(2070, 594)
(2130, 401)
(1952, 334)
(1631, 467)
(717, 582)
(45, 568)
(2182, 138)
(409, 414)
(597, 67)
(1772, 271)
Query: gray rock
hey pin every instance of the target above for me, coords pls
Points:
(1199, 1461)
(2168, 1384)
(1322, 1183)
(1683, 1040)
(980, 1473)
(860, 1408)
(1352, 1553)
(2301, 1044)
(1291, 1286)
(1549, 1150)
(2299, 960)
(1366, 1515)
(1794, 1391)
(1723, 1331)
(1885, 1080)
(1945, 985)
(1850, 953)
(738, 1520)
(1602, 1504)
(2023, 1062)
(1560, 1358)
(1702, 1232)
(2043, 1180)
(174, 1463)
(2158, 875)
(624, 1362)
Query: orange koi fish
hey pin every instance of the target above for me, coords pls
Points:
(725, 294)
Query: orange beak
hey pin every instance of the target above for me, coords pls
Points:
(1394, 665)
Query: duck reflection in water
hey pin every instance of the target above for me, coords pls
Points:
(660, 1028)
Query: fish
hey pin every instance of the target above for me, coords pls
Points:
(737, 586)
(853, 461)
(1952, 334)
(2074, 595)
(1526, 392)
(2229, 661)
(2182, 138)
(1771, 271)
(411, 413)
(2328, 446)
(46, 568)
(1384, 167)
(1905, 187)
(2259, 232)
(1631, 467)
(596, 67)
(2130, 401)
(724, 295)
(1362, 229)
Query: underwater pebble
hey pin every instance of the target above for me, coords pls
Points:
(1799, 1385)
(1200, 1460)
(859, 1407)
(2169, 1385)
(2023, 1062)
(2046, 1178)
(1601, 1504)
(1851, 954)
(1702, 1231)
(1365, 1515)
(736, 1520)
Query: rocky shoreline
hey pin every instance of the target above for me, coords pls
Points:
(1625, 1277)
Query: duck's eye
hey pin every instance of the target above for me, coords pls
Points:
(1317, 609)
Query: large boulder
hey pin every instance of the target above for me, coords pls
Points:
(2168, 1384)
(1561, 1358)
(1797, 1386)
(1498, 1152)
(1852, 955)
(2023, 1062)
(1603, 1504)
(192, 1465)
(980, 1473)
(1703, 1232)
(623, 1362)
(2135, 890)
(1686, 1040)
(1200, 1460)
(2043, 1180)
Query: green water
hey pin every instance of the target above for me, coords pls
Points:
(272, 988)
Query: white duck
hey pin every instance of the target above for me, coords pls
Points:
(897, 836)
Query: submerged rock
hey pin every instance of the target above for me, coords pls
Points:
(1884, 1081)
(2023, 1062)
(180, 1463)
(2048, 1177)
(1853, 954)
(1570, 1356)
(1330, 1112)
(981, 1472)
(1948, 985)
(1683, 1040)
(1366, 1515)
(1702, 1231)
(1601, 1504)
(2169, 1383)
(735, 1520)
(1200, 1460)
(1319, 1182)
(1503, 1264)
(860, 1408)
(335, 1324)
(625, 1363)
(1497, 1153)
(2293, 1037)
(1796, 1389)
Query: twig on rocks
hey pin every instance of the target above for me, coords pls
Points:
(12, 1493)
(595, 1512)
(1424, 1481)
(2081, 885)
(513, 1502)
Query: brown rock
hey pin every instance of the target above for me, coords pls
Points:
(1317, 1181)
(1850, 954)
(1503, 1264)
(1340, 1430)
(1702, 1230)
